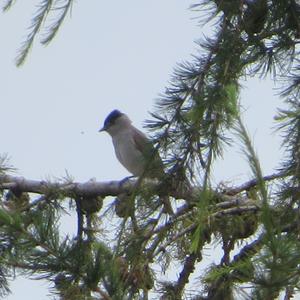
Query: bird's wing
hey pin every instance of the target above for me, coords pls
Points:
(141, 142)
(151, 155)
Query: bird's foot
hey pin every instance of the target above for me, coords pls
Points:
(124, 180)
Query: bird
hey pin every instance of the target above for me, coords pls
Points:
(134, 150)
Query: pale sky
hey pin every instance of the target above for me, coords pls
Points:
(107, 55)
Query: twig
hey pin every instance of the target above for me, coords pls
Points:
(235, 211)
(252, 183)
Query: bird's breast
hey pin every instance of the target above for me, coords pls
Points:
(128, 155)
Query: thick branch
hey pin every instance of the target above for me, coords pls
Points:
(114, 188)
(90, 188)
(188, 269)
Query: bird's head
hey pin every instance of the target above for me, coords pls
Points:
(115, 122)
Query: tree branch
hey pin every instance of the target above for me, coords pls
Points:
(114, 188)
(89, 188)
(188, 269)
(253, 182)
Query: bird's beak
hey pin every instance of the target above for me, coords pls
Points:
(102, 129)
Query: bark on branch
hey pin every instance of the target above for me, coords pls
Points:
(114, 188)
(89, 188)
(228, 203)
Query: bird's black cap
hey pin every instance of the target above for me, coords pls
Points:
(110, 119)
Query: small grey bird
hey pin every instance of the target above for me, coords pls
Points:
(133, 149)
